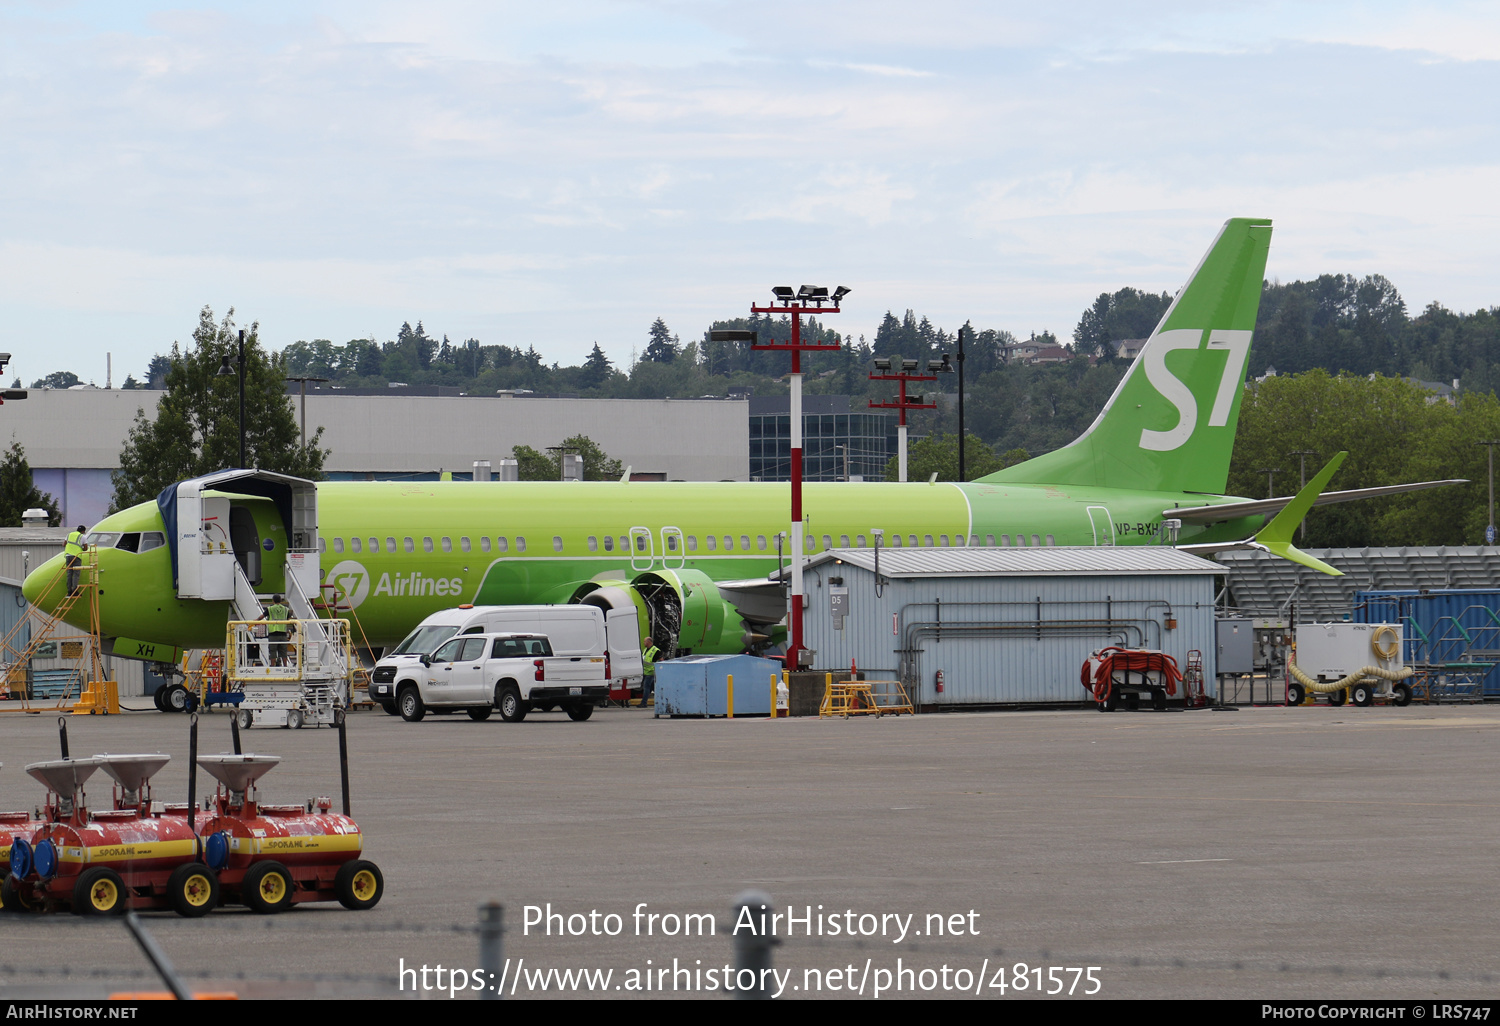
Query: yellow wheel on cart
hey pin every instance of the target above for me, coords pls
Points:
(99, 892)
(267, 887)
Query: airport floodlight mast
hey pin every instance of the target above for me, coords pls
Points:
(1489, 532)
(904, 402)
(809, 299)
(224, 371)
(303, 383)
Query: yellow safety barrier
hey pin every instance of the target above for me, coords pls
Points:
(863, 697)
(730, 696)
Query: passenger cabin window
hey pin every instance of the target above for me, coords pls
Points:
(338, 545)
(640, 543)
(593, 543)
(843, 541)
(728, 543)
(501, 544)
(322, 544)
(895, 541)
(911, 541)
(609, 543)
(556, 543)
(447, 544)
(374, 544)
(406, 543)
(827, 543)
(692, 543)
(624, 543)
(520, 544)
(745, 542)
(989, 539)
(671, 543)
(390, 546)
(426, 544)
(927, 540)
(1051, 540)
(484, 544)
(463, 543)
(354, 545)
(1036, 540)
(859, 541)
(712, 540)
(760, 542)
(943, 540)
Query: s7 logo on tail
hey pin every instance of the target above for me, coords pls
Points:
(1235, 344)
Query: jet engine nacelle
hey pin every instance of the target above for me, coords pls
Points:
(688, 604)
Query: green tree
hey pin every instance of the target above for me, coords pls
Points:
(938, 454)
(57, 379)
(18, 492)
(663, 346)
(597, 368)
(547, 466)
(196, 428)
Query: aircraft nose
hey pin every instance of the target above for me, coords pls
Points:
(38, 586)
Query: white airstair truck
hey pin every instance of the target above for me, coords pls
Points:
(216, 554)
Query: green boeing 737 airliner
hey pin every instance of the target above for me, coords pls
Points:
(694, 557)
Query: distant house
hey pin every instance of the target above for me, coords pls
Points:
(1128, 348)
(1052, 354)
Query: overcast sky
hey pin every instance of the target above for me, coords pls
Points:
(563, 173)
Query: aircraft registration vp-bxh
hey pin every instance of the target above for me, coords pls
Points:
(694, 558)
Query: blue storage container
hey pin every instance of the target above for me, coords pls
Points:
(1442, 625)
(698, 685)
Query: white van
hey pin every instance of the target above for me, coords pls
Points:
(574, 630)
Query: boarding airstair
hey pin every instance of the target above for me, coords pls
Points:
(302, 679)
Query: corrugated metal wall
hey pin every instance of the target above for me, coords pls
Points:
(1004, 639)
(128, 673)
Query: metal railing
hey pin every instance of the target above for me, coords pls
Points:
(287, 650)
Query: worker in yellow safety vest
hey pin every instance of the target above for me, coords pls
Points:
(276, 633)
(73, 558)
(649, 652)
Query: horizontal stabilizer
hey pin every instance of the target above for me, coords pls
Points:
(1276, 537)
(1234, 510)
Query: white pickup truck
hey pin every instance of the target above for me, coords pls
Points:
(512, 672)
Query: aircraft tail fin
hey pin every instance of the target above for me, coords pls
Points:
(1170, 424)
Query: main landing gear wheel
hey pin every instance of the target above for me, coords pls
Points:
(580, 711)
(512, 709)
(1296, 694)
(193, 890)
(158, 695)
(1403, 694)
(359, 885)
(411, 705)
(267, 888)
(99, 892)
(480, 713)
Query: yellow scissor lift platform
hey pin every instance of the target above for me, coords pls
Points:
(303, 679)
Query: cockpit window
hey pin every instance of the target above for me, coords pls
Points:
(102, 539)
(152, 540)
(129, 542)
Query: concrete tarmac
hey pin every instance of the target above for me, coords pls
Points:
(1263, 853)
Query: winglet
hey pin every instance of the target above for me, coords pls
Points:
(1276, 537)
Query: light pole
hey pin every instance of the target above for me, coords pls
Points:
(1489, 532)
(903, 402)
(1302, 455)
(962, 473)
(225, 370)
(303, 382)
(809, 299)
(1270, 473)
